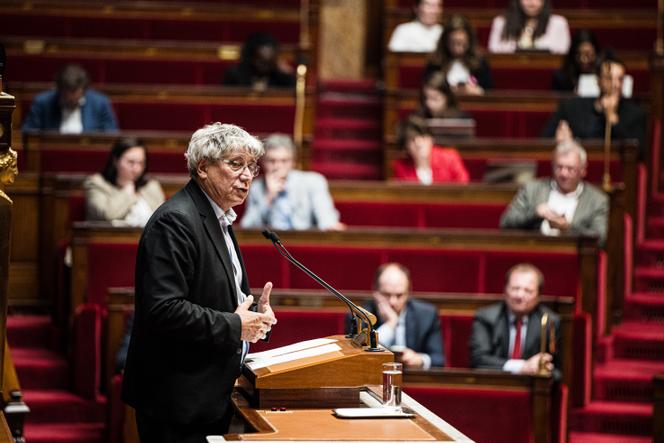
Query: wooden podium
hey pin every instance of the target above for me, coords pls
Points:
(293, 399)
(336, 376)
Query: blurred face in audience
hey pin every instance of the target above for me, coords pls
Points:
(265, 59)
(428, 11)
(278, 162)
(568, 171)
(611, 78)
(522, 292)
(419, 147)
(531, 8)
(130, 165)
(458, 43)
(435, 101)
(393, 285)
(70, 99)
(227, 180)
(586, 56)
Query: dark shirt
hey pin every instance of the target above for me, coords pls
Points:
(482, 73)
(244, 75)
(586, 122)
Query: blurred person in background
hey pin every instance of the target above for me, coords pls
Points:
(528, 25)
(122, 193)
(422, 33)
(72, 107)
(457, 55)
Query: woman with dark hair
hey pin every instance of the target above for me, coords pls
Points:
(529, 25)
(122, 192)
(582, 58)
(427, 163)
(457, 55)
(437, 100)
(259, 66)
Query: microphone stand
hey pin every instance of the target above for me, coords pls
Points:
(363, 320)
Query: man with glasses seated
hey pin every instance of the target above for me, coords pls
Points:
(564, 203)
(286, 198)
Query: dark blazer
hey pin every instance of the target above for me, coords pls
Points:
(185, 349)
(423, 333)
(96, 114)
(586, 122)
(490, 338)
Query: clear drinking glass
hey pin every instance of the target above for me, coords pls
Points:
(392, 383)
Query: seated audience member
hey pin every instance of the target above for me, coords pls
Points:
(564, 203)
(421, 34)
(122, 193)
(259, 66)
(437, 100)
(405, 325)
(72, 107)
(456, 54)
(529, 25)
(506, 335)
(427, 163)
(581, 59)
(586, 117)
(286, 198)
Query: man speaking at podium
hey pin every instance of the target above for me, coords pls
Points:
(194, 315)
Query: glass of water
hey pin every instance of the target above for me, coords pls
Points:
(392, 383)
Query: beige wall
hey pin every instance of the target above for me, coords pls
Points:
(342, 39)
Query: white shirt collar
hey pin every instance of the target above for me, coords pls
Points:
(227, 217)
(574, 194)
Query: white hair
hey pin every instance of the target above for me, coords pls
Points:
(213, 141)
(277, 140)
(567, 146)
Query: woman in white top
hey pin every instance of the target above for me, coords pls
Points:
(529, 25)
(122, 193)
(421, 34)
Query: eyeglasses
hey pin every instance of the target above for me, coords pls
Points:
(238, 166)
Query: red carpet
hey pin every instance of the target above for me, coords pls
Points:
(621, 408)
(56, 414)
(347, 143)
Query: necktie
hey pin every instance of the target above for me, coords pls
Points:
(516, 350)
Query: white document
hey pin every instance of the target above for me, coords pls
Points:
(290, 348)
(292, 356)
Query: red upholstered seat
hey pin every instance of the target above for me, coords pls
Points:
(146, 27)
(456, 330)
(101, 275)
(419, 215)
(505, 415)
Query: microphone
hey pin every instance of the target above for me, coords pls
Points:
(367, 336)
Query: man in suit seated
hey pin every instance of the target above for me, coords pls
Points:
(286, 198)
(507, 335)
(72, 107)
(586, 117)
(564, 203)
(405, 325)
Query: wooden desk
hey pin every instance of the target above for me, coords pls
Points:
(321, 424)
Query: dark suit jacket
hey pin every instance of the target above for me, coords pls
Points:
(423, 333)
(96, 114)
(185, 349)
(490, 338)
(586, 122)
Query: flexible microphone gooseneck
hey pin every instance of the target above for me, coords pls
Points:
(355, 310)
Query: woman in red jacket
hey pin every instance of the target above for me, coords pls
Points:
(427, 163)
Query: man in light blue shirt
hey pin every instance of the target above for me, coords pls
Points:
(285, 198)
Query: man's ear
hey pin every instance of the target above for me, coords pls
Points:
(201, 169)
